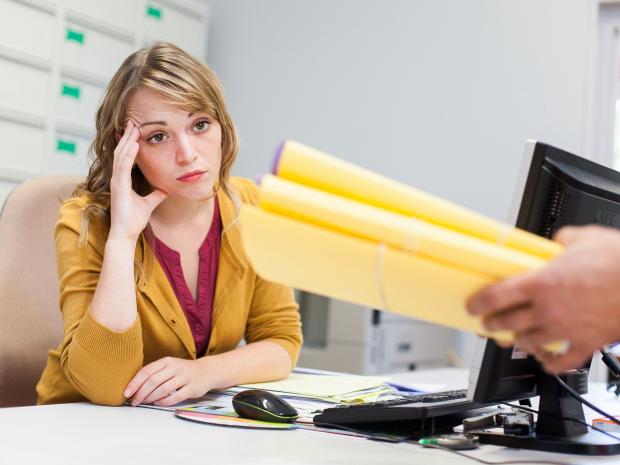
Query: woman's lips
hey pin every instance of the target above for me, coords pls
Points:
(191, 177)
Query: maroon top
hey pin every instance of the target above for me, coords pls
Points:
(198, 313)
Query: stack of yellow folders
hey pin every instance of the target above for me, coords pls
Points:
(332, 228)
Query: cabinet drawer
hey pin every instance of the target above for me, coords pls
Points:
(22, 148)
(167, 24)
(77, 102)
(69, 155)
(23, 88)
(116, 13)
(25, 29)
(92, 52)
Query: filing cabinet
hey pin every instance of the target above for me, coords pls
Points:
(92, 53)
(118, 14)
(175, 24)
(22, 149)
(77, 102)
(27, 29)
(69, 154)
(24, 88)
(56, 58)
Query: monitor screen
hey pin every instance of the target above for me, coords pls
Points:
(556, 188)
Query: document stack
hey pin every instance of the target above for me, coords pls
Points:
(332, 228)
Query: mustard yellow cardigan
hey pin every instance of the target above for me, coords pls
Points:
(95, 363)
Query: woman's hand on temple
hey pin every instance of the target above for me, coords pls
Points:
(130, 212)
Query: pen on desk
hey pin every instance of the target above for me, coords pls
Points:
(451, 441)
(404, 388)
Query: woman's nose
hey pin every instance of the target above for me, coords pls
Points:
(185, 151)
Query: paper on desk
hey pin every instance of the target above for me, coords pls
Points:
(305, 165)
(210, 399)
(326, 262)
(356, 219)
(323, 386)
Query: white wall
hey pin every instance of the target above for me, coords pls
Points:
(440, 94)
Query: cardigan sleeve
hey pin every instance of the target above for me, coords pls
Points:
(98, 361)
(274, 316)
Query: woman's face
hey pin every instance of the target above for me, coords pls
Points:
(180, 152)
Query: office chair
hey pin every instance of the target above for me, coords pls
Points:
(30, 319)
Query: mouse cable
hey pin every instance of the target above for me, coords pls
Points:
(395, 442)
(578, 396)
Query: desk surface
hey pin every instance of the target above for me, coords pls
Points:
(90, 434)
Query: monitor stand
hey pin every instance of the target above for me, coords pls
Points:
(555, 429)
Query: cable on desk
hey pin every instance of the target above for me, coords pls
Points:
(559, 417)
(578, 396)
(503, 462)
(394, 442)
(382, 437)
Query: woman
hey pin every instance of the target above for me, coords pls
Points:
(155, 290)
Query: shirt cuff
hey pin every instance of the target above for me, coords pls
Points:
(105, 343)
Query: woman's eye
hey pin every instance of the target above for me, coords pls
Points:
(157, 138)
(201, 125)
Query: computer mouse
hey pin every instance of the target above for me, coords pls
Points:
(257, 404)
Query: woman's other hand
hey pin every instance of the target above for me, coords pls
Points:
(169, 381)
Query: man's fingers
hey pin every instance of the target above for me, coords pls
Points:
(571, 234)
(518, 319)
(506, 294)
(533, 340)
(575, 357)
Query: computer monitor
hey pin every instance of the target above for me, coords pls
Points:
(556, 188)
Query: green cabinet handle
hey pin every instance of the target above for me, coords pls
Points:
(75, 36)
(70, 91)
(66, 146)
(154, 12)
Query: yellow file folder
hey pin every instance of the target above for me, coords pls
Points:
(332, 228)
(399, 231)
(318, 260)
(305, 165)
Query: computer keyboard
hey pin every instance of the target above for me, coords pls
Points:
(416, 408)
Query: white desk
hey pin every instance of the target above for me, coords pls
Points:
(87, 434)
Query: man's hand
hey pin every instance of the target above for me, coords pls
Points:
(576, 297)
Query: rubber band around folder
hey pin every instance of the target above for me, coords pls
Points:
(381, 249)
(502, 236)
(411, 243)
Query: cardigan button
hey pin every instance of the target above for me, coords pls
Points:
(173, 321)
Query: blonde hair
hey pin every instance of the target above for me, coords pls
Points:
(181, 80)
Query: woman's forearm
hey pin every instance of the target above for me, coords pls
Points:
(114, 301)
(253, 363)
